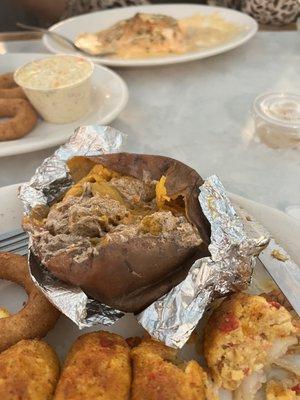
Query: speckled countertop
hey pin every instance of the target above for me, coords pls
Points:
(199, 113)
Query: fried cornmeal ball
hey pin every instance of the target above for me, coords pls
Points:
(97, 368)
(278, 296)
(29, 370)
(277, 391)
(157, 377)
(243, 335)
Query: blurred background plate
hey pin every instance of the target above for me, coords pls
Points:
(110, 96)
(99, 20)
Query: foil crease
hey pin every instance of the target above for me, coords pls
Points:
(235, 240)
(50, 180)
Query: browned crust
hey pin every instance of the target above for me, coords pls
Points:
(156, 375)
(9, 89)
(22, 118)
(38, 315)
(97, 367)
(29, 370)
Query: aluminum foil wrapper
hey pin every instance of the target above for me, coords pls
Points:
(235, 241)
(50, 180)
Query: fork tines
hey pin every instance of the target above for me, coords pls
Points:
(14, 242)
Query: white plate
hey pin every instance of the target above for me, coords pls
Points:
(284, 228)
(110, 96)
(99, 20)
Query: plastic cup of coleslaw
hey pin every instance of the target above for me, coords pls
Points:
(58, 86)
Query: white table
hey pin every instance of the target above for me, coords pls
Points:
(199, 113)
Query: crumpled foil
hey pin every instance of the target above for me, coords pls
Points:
(234, 243)
(172, 318)
(50, 180)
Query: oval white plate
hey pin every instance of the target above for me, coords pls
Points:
(110, 96)
(284, 228)
(99, 20)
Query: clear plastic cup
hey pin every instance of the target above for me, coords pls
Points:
(277, 119)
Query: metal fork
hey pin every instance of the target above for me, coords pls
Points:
(14, 242)
(62, 40)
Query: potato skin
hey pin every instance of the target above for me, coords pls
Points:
(131, 275)
(29, 370)
(129, 286)
(97, 367)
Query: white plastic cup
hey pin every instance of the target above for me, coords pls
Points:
(62, 104)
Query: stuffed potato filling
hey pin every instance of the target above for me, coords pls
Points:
(126, 231)
(105, 207)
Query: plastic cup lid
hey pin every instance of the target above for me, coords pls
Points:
(281, 109)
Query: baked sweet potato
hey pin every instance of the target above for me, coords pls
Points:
(127, 231)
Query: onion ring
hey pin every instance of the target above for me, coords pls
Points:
(38, 315)
(23, 118)
(9, 89)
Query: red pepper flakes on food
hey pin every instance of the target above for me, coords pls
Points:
(296, 388)
(275, 304)
(228, 323)
(105, 342)
(152, 376)
(157, 377)
(246, 371)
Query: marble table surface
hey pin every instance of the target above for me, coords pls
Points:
(200, 113)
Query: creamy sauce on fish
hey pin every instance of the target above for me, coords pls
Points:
(205, 31)
(152, 35)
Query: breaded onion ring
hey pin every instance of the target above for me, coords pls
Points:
(9, 89)
(23, 118)
(38, 315)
